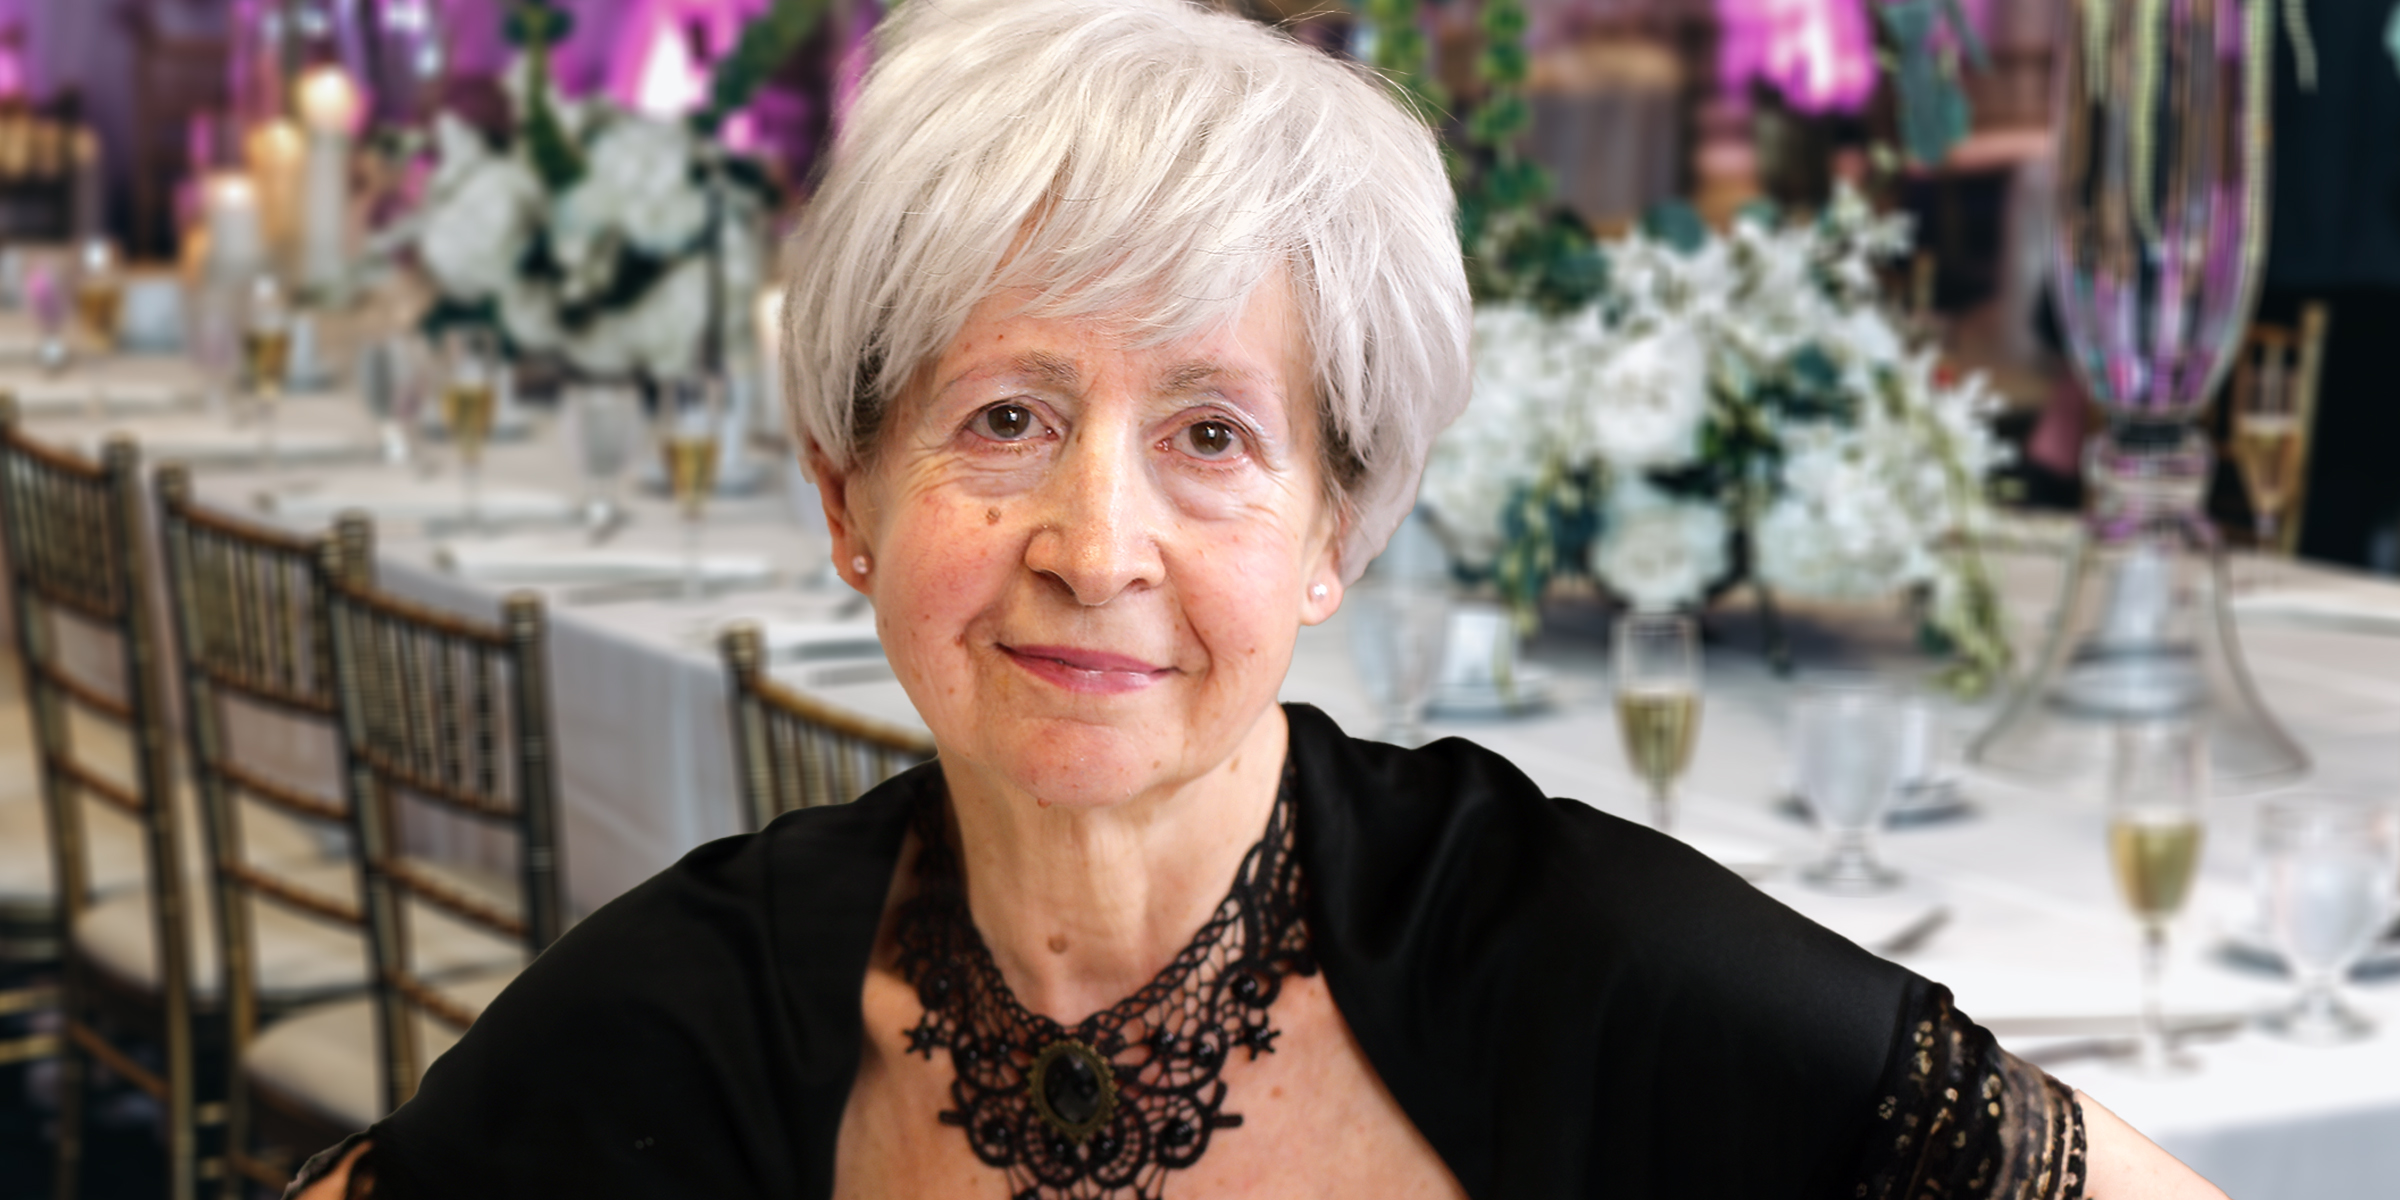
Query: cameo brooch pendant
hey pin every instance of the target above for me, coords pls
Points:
(1105, 1108)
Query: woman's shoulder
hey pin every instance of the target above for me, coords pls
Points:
(1499, 949)
(702, 1026)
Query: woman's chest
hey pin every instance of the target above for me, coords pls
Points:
(1313, 1120)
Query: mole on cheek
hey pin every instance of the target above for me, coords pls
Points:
(991, 516)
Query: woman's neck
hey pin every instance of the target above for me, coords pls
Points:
(1082, 906)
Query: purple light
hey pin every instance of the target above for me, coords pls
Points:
(1819, 53)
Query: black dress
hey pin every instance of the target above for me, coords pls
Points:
(1564, 1003)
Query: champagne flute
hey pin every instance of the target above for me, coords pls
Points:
(1658, 703)
(99, 292)
(2157, 791)
(266, 356)
(2326, 871)
(470, 389)
(1848, 738)
(691, 414)
(2266, 442)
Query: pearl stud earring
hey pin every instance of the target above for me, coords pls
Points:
(858, 565)
(1316, 592)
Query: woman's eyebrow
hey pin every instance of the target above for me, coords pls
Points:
(1198, 375)
(1053, 371)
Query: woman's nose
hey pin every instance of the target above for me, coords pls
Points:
(1099, 535)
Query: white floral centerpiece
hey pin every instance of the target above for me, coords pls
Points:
(606, 263)
(608, 238)
(1726, 408)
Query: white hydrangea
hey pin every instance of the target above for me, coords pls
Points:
(1647, 398)
(479, 218)
(1656, 552)
(638, 180)
(1506, 435)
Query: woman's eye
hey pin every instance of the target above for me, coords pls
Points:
(1007, 422)
(1212, 439)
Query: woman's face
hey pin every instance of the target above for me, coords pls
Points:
(1089, 560)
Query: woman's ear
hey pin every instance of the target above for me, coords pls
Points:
(835, 490)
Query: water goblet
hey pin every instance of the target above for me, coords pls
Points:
(266, 355)
(2157, 794)
(2326, 872)
(471, 368)
(607, 420)
(1657, 683)
(1848, 741)
(690, 418)
(1399, 624)
(46, 295)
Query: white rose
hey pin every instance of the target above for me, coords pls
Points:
(1658, 553)
(475, 236)
(659, 334)
(1647, 399)
(638, 178)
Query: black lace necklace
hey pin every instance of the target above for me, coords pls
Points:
(1104, 1109)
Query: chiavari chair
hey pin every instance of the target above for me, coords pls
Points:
(75, 557)
(448, 715)
(794, 751)
(254, 638)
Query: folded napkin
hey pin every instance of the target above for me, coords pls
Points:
(227, 446)
(536, 562)
(411, 498)
(2363, 609)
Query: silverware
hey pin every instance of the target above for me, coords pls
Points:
(2180, 1030)
(1915, 935)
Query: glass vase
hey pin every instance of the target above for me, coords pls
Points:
(2161, 225)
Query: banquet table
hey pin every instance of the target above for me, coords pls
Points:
(2036, 943)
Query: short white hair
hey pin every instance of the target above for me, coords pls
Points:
(1147, 160)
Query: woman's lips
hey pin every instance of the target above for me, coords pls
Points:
(1092, 671)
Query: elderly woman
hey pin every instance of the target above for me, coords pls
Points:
(1119, 332)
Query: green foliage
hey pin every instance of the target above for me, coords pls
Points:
(1933, 108)
(764, 45)
(534, 26)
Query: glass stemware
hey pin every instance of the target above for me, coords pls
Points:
(2326, 872)
(266, 356)
(2266, 445)
(2157, 794)
(99, 293)
(46, 295)
(690, 418)
(470, 391)
(607, 424)
(1848, 738)
(1657, 667)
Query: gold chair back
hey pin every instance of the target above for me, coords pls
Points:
(75, 547)
(454, 713)
(252, 629)
(794, 751)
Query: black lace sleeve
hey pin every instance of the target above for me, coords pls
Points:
(1957, 1116)
(362, 1172)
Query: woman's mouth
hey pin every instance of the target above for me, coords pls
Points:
(1095, 672)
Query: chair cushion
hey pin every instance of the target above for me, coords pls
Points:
(114, 840)
(300, 956)
(323, 1056)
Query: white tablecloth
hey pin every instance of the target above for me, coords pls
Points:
(2036, 931)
